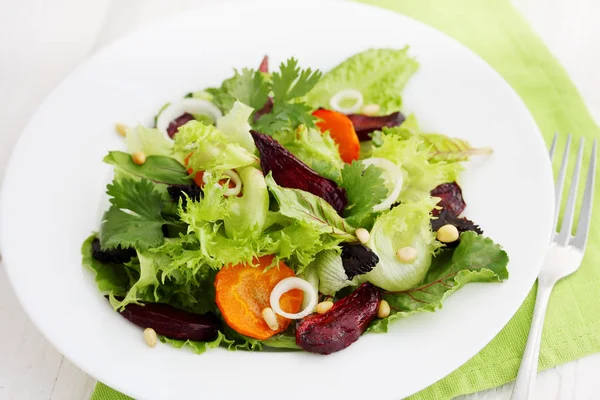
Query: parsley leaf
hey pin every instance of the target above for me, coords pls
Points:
(365, 188)
(248, 87)
(134, 219)
(288, 85)
(291, 82)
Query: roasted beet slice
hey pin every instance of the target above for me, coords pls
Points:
(342, 325)
(113, 256)
(177, 122)
(290, 172)
(365, 124)
(264, 65)
(451, 198)
(172, 322)
(357, 259)
(178, 192)
(462, 224)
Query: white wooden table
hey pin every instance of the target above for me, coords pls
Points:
(40, 43)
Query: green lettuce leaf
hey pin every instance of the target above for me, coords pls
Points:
(475, 259)
(236, 127)
(282, 341)
(406, 225)
(134, 218)
(310, 210)
(159, 169)
(110, 278)
(209, 148)
(238, 342)
(379, 74)
(421, 174)
(247, 214)
(148, 140)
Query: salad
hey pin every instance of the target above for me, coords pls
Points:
(289, 209)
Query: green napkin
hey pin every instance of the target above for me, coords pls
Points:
(499, 34)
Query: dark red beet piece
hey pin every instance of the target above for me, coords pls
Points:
(290, 172)
(342, 325)
(113, 256)
(357, 259)
(264, 65)
(451, 198)
(462, 224)
(176, 123)
(365, 124)
(172, 322)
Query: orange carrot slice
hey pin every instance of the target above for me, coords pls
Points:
(243, 291)
(342, 132)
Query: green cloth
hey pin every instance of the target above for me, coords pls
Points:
(499, 34)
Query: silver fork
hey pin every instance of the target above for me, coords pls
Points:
(563, 258)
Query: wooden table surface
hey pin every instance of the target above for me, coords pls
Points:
(41, 41)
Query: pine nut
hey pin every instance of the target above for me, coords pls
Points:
(138, 157)
(324, 306)
(270, 318)
(370, 109)
(150, 337)
(121, 129)
(384, 309)
(406, 254)
(363, 235)
(447, 234)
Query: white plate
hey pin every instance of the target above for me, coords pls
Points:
(55, 180)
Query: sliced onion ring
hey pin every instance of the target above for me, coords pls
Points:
(187, 105)
(291, 283)
(347, 94)
(235, 178)
(393, 171)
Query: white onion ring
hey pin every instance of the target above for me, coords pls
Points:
(287, 284)
(346, 94)
(235, 178)
(392, 170)
(187, 105)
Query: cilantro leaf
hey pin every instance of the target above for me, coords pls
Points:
(134, 219)
(291, 82)
(248, 87)
(365, 188)
(285, 116)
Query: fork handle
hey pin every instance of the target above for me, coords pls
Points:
(525, 383)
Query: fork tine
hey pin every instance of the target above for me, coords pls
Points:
(567, 223)
(553, 145)
(585, 216)
(560, 182)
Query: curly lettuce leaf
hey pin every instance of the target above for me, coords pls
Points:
(159, 169)
(421, 174)
(134, 218)
(475, 259)
(440, 147)
(379, 74)
(407, 224)
(315, 149)
(205, 147)
(230, 340)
